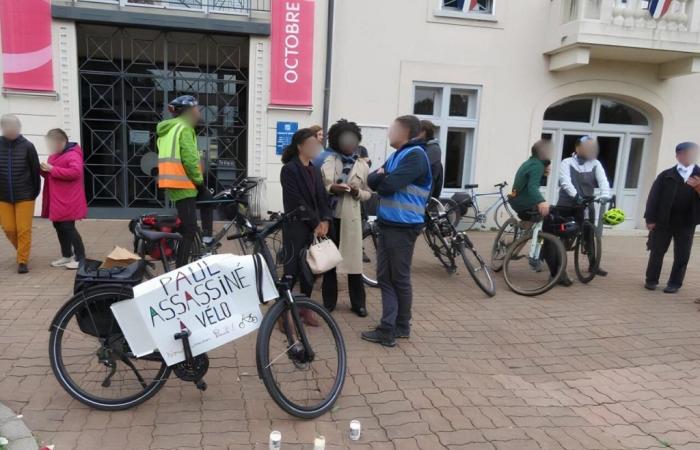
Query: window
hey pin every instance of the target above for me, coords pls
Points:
(634, 163)
(469, 6)
(614, 112)
(571, 111)
(453, 111)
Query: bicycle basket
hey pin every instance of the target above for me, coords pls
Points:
(97, 320)
(464, 201)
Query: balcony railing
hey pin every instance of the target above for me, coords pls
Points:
(205, 6)
(625, 30)
(629, 14)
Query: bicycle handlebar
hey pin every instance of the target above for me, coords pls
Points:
(271, 228)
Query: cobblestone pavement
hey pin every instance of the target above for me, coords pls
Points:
(604, 366)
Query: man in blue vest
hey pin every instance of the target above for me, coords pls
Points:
(403, 185)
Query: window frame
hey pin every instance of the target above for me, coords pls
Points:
(442, 11)
(443, 121)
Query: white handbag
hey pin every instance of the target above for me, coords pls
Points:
(323, 256)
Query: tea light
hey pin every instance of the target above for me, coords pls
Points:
(320, 443)
(355, 430)
(275, 440)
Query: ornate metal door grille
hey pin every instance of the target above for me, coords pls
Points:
(127, 78)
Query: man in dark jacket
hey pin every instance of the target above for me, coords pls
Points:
(672, 213)
(19, 187)
(432, 147)
(403, 185)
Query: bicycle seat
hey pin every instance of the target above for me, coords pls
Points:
(151, 235)
(501, 185)
(471, 186)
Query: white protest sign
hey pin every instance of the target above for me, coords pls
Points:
(215, 298)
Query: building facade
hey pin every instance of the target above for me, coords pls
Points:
(494, 75)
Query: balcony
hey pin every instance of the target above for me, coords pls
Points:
(624, 30)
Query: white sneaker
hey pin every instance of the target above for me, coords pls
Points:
(61, 262)
(73, 265)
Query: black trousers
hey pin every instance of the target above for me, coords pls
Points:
(394, 260)
(659, 241)
(296, 236)
(187, 212)
(329, 286)
(70, 240)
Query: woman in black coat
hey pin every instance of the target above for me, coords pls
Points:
(302, 186)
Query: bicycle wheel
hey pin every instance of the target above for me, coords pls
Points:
(528, 276)
(470, 218)
(507, 234)
(90, 356)
(369, 256)
(477, 268)
(305, 386)
(587, 253)
(503, 213)
(441, 249)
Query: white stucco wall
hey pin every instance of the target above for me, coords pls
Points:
(382, 48)
(41, 112)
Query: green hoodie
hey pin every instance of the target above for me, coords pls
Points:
(526, 187)
(189, 155)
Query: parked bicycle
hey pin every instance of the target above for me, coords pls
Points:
(370, 238)
(536, 259)
(448, 245)
(475, 215)
(303, 368)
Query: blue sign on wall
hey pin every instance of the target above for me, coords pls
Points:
(285, 131)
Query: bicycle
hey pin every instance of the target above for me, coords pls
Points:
(448, 244)
(507, 234)
(587, 244)
(474, 214)
(370, 237)
(92, 361)
(526, 265)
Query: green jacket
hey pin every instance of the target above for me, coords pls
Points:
(526, 187)
(189, 155)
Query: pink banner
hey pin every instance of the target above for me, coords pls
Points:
(26, 44)
(292, 52)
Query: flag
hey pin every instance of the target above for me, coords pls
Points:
(657, 8)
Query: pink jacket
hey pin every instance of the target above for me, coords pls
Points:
(64, 188)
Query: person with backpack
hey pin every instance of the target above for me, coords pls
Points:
(403, 183)
(180, 173)
(579, 176)
(20, 184)
(64, 196)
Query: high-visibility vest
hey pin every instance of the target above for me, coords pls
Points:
(408, 204)
(171, 172)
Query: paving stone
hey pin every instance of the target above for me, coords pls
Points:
(605, 365)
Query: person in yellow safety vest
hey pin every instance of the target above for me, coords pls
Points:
(180, 174)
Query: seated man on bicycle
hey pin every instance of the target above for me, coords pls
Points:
(527, 200)
(579, 176)
(179, 171)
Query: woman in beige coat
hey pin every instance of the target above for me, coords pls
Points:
(345, 174)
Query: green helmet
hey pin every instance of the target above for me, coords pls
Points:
(614, 216)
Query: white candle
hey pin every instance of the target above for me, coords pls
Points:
(275, 440)
(320, 443)
(355, 430)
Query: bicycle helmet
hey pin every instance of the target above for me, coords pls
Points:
(182, 103)
(614, 217)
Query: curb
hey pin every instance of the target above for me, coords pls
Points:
(14, 430)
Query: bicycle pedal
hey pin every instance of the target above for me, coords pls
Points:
(201, 385)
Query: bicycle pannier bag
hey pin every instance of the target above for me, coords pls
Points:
(323, 256)
(98, 320)
(464, 201)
